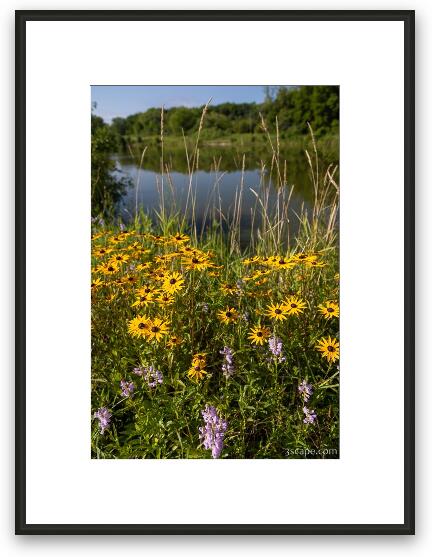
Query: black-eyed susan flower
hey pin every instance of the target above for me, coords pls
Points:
(197, 372)
(258, 335)
(96, 283)
(139, 326)
(260, 273)
(143, 266)
(108, 269)
(143, 299)
(173, 282)
(329, 309)
(304, 257)
(199, 358)
(101, 252)
(282, 263)
(157, 329)
(196, 262)
(228, 315)
(229, 288)
(148, 289)
(180, 238)
(294, 305)
(313, 264)
(276, 311)
(251, 260)
(329, 348)
(165, 299)
(174, 341)
(129, 280)
(119, 258)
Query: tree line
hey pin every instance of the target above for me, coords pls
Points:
(293, 107)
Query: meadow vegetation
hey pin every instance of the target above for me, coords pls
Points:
(204, 348)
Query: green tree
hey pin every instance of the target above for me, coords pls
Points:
(107, 186)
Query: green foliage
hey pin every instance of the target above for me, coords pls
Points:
(107, 186)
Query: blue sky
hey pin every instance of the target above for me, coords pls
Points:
(122, 100)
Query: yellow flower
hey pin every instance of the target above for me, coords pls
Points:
(250, 260)
(108, 269)
(281, 262)
(199, 358)
(259, 334)
(96, 283)
(228, 288)
(160, 274)
(157, 329)
(101, 252)
(147, 289)
(129, 280)
(173, 282)
(276, 311)
(174, 341)
(304, 257)
(143, 266)
(165, 298)
(329, 309)
(180, 238)
(315, 264)
(139, 326)
(293, 305)
(119, 258)
(196, 262)
(228, 315)
(144, 299)
(329, 348)
(260, 273)
(197, 372)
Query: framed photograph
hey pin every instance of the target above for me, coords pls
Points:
(215, 272)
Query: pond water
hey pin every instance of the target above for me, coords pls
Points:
(214, 187)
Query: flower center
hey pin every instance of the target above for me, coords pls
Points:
(330, 348)
(259, 334)
(330, 310)
(110, 269)
(282, 262)
(195, 260)
(278, 311)
(155, 329)
(293, 305)
(173, 281)
(228, 314)
(141, 326)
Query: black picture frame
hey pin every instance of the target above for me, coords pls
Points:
(21, 527)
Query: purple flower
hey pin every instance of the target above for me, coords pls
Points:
(212, 433)
(239, 286)
(104, 417)
(151, 375)
(275, 347)
(310, 415)
(306, 390)
(228, 365)
(127, 389)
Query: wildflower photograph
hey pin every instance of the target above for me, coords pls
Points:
(214, 272)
